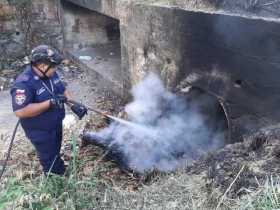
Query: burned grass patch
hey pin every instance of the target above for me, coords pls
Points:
(257, 154)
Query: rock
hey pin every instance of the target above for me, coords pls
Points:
(12, 81)
(8, 73)
(26, 60)
(66, 69)
(73, 67)
(85, 57)
(18, 64)
(3, 81)
(69, 121)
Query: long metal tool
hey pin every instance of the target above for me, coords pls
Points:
(119, 120)
(89, 108)
(9, 150)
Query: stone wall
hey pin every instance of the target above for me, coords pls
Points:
(24, 24)
(10, 37)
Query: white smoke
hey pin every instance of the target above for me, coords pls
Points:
(165, 130)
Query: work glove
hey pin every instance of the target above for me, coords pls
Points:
(58, 101)
(80, 110)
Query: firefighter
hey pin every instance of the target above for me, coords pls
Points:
(38, 97)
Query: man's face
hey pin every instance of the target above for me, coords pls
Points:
(49, 71)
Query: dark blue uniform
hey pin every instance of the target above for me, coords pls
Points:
(44, 130)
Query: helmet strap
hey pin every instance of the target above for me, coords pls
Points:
(45, 76)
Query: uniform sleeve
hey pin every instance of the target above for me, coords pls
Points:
(62, 86)
(21, 96)
(59, 83)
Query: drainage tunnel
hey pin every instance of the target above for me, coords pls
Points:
(93, 40)
(212, 112)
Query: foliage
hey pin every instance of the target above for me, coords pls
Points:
(51, 191)
(175, 191)
(267, 197)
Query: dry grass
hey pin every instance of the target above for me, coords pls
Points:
(94, 183)
(92, 191)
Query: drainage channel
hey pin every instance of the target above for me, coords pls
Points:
(93, 40)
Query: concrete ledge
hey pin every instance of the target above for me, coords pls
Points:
(107, 7)
(235, 58)
(108, 79)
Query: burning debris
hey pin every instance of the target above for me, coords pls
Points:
(164, 131)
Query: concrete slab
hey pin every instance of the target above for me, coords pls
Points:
(105, 61)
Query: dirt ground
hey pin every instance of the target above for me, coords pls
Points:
(80, 84)
(243, 165)
(7, 119)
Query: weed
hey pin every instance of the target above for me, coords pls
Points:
(176, 191)
(51, 191)
(267, 197)
(12, 191)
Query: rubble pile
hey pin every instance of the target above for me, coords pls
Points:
(8, 74)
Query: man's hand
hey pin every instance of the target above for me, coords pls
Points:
(79, 110)
(58, 101)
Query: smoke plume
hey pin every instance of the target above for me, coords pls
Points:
(165, 130)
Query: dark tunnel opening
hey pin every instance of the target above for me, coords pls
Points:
(213, 112)
(93, 40)
(113, 31)
(88, 27)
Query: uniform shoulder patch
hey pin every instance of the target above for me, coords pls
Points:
(20, 96)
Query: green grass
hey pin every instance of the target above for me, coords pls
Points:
(267, 197)
(48, 193)
(51, 191)
(74, 191)
(12, 191)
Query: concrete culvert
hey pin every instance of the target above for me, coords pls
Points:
(165, 131)
(113, 30)
(93, 41)
(212, 110)
(83, 27)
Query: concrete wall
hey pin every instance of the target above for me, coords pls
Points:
(83, 27)
(10, 36)
(23, 26)
(107, 7)
(46, 24)
(248, 8)
(236, 59)
(233, 57)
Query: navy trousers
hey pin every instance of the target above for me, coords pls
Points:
(48, 145)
